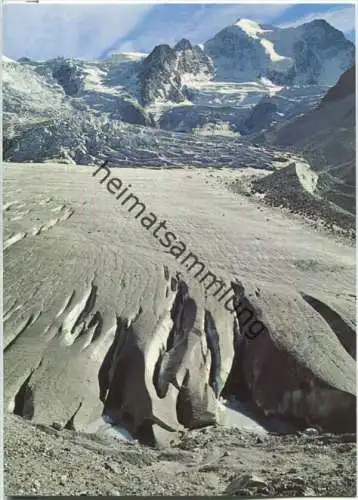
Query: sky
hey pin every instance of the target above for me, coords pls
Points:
(88, 31)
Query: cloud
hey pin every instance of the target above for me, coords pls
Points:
(88, 30)
(75, 30)
(341, 18)
(128, 46)
(222, 16)
(197, 22)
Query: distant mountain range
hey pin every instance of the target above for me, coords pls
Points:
(247, 79)
(311, 54)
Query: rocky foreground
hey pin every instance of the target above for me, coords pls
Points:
(40, 460)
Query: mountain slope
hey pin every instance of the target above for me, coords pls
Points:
(335, 112)
(241, 53)
(326, 138)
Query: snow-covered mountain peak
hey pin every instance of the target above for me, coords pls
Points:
(6, 59)
(184, 44)
(251, 28)
(256, 31)
(314, 53)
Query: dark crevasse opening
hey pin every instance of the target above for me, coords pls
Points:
(177, 315)
(236, 385)
(145, 433)
(116, 375)
(24, 402)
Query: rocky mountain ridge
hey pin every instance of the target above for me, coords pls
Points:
(314, 53)
(163, 72)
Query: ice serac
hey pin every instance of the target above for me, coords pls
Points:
(157, 380)
(163, 370)
(166, 373)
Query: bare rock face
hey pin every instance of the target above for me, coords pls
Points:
(260, 116)
(161, 75)
(69, 76)
(192, 59)
(236, 55)
(319, 46)
(343, 88)
(158, 70)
